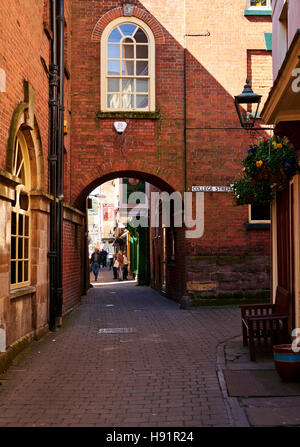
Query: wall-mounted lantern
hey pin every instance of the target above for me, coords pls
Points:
(247, 119)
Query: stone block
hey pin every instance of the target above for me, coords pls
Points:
(201, 286)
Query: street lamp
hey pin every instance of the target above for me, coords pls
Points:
(246, 118)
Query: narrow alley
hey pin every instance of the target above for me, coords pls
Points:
(155, 367)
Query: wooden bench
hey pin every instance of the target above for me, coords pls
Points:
(265, 325)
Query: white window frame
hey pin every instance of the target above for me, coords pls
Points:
(20, 145)
(268, 6)
(257, 221)
(151, 64)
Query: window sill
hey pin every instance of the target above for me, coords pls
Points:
(258, 12)
(16, 293)
(258, 226)
(127, 114)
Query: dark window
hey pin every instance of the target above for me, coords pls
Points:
(260, 212)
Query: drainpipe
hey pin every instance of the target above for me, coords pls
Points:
(184, 116)
(52, 159)
(60, 157)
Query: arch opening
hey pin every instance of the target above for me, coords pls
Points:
(151, 255)
(156, 181)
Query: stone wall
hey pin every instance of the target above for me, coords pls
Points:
(228, 277)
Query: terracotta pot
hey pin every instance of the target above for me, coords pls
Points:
(287, 362)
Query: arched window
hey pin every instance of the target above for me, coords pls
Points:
(127, 67)
(20, 217)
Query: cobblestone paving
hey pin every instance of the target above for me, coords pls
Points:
(161, 374)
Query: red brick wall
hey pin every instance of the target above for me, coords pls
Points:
(72, 264)
(216, 68)
(22, 43)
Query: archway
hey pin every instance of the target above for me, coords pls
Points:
(161, 249)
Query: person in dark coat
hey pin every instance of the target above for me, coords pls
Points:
(95, 261)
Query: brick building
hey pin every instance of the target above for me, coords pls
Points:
(187, 135)
(282, 110)
(170, 73)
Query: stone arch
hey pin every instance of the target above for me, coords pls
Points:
(175, 274)
(137, 12)
(24, 120)
(141, 175)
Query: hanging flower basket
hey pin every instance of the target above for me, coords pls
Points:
(272, 161)
(248, 192)
(269, 163)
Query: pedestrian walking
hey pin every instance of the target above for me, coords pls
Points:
(125, 268)
(115, 267)
(120, 261)
(95, 261)
(110, 261)
(104, 260)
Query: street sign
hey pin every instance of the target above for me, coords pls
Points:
(211, 189)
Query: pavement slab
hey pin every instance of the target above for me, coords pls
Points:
(163, 373)
(258, 391)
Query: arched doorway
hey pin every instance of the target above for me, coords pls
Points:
(160, 260)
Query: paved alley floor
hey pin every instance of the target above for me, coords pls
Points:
(153, 365)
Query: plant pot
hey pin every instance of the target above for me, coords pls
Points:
(287, 362)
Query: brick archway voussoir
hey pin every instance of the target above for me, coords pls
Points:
(138, 13)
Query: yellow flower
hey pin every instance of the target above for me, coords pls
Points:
(274, 144)
(259, 163)
(279, 146)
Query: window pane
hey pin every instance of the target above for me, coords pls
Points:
(140, 36)
(13, 272)
(127, 29)
(26, 225)
(258, 2)
(141, 101)
(142, 68)
(26, 271)
(20, 226)
(128, 40)
(260, 212)
(13, 223)
(127, 85)
(20, 276)
(113, 101)
(127, 68)
(24, 201)
(142, 85)
(113, 51)
(113, 85)
(113, 68)
(13, 248)
(20, 248)
(127, 101)
(127, 51)
(13, 203)
(142, 51)
(26, 245)
(115, 36)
